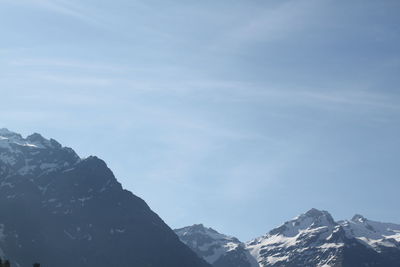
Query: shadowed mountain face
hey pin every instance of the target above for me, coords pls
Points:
(312, 239)
(61, 210)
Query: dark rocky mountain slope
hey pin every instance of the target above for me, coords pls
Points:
(61, 210)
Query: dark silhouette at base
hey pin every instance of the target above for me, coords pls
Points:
(7, 263)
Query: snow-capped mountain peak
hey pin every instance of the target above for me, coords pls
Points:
(207, 233)
(10, 140)
(358, 218)
(32, 155)
(314, 233)
(216, 248)
(313, 239)
(372, 233)
(312, 219)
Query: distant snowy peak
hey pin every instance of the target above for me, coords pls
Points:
(216, 248)
(372, 233)
(32, 155)
(311, 239)
(315, 239)
(206, 241)
(311, 219)
(207, 233)
(358, 218)
(313, 233)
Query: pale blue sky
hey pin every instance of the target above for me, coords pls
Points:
(237, 114)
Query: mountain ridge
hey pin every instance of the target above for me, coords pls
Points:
(78, 212)
(314, 238)
(63, 210)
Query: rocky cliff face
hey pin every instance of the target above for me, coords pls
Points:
(61, 210)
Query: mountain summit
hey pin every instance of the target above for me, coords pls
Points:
(218, 249)
(315, 239)
(312, 239)
(61, 210)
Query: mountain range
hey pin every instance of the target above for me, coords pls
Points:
(62, 210)
(311, 239)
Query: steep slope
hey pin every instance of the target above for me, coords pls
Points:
(217, 249)
(65, 211)
(315, 239)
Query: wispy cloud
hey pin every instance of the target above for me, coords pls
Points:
(355, 98)
(133, 79)
(66, 63)
(67, 8)
(93, 81)
(280, 22)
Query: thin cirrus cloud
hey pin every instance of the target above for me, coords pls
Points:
(68, 8)
(101, 75)
(279, 23)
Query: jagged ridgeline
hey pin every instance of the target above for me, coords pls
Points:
(61, 210)
(312, 239)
